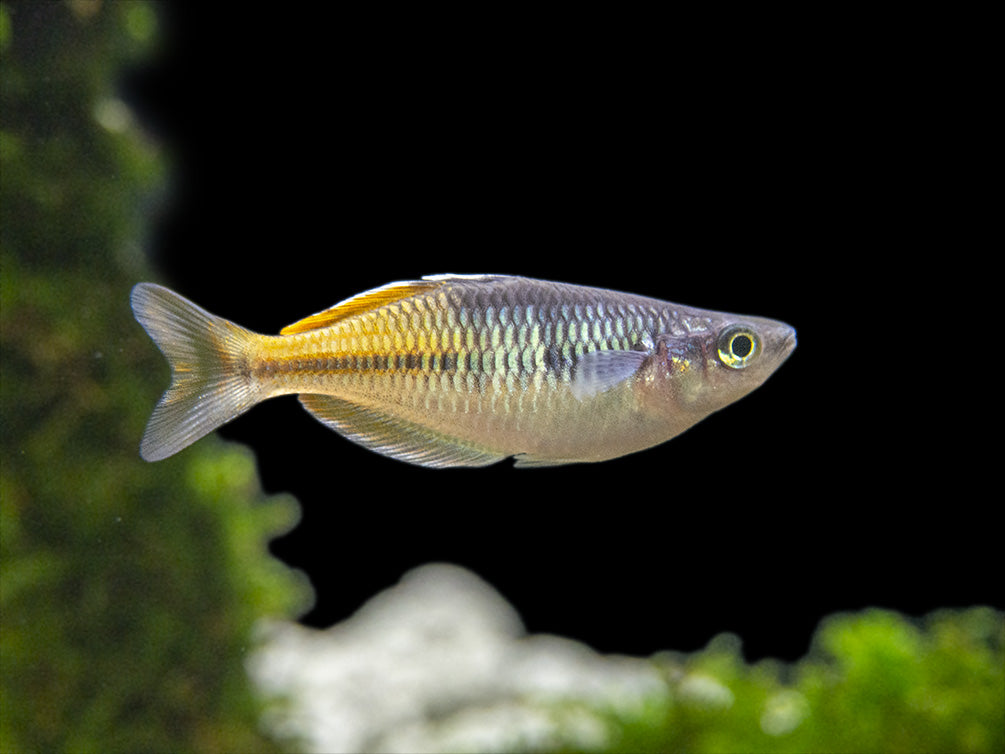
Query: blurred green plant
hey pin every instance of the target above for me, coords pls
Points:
(873, 682)
(129, 590)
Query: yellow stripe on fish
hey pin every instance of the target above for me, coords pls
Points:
(456, 370)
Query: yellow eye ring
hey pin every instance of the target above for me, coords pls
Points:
(738, 346)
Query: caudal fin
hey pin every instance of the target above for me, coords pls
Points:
(206, 354)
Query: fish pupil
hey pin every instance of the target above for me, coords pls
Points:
(741, 346)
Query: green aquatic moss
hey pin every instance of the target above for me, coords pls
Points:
(128, 590)
(874, 681)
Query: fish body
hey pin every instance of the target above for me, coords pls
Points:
(456, 370)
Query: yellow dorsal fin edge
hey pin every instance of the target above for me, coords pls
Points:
(362, 302)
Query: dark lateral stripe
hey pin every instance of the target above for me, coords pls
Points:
(402, 362)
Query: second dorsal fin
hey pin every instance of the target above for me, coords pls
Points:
(361, 302)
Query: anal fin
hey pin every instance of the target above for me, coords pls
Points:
(530, 461)
(397, 438)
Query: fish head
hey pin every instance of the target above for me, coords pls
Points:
(691, 376)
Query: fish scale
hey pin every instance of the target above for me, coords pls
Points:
(466, 370)
(491, 342)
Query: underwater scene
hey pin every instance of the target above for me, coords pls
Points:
(774, 579)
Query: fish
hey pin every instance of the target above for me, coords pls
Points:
(466, 370)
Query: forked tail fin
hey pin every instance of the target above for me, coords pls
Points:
(209, 382)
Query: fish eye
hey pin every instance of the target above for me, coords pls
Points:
(738, 346)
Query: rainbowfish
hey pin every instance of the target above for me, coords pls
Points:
(466, 370)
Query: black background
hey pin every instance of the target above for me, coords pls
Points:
(730, 166)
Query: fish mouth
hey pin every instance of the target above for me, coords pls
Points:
(788, 343)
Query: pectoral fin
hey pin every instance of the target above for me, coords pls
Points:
(598, 371)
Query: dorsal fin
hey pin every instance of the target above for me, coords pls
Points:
(361, 302)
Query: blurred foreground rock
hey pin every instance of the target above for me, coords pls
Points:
(440, 662)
